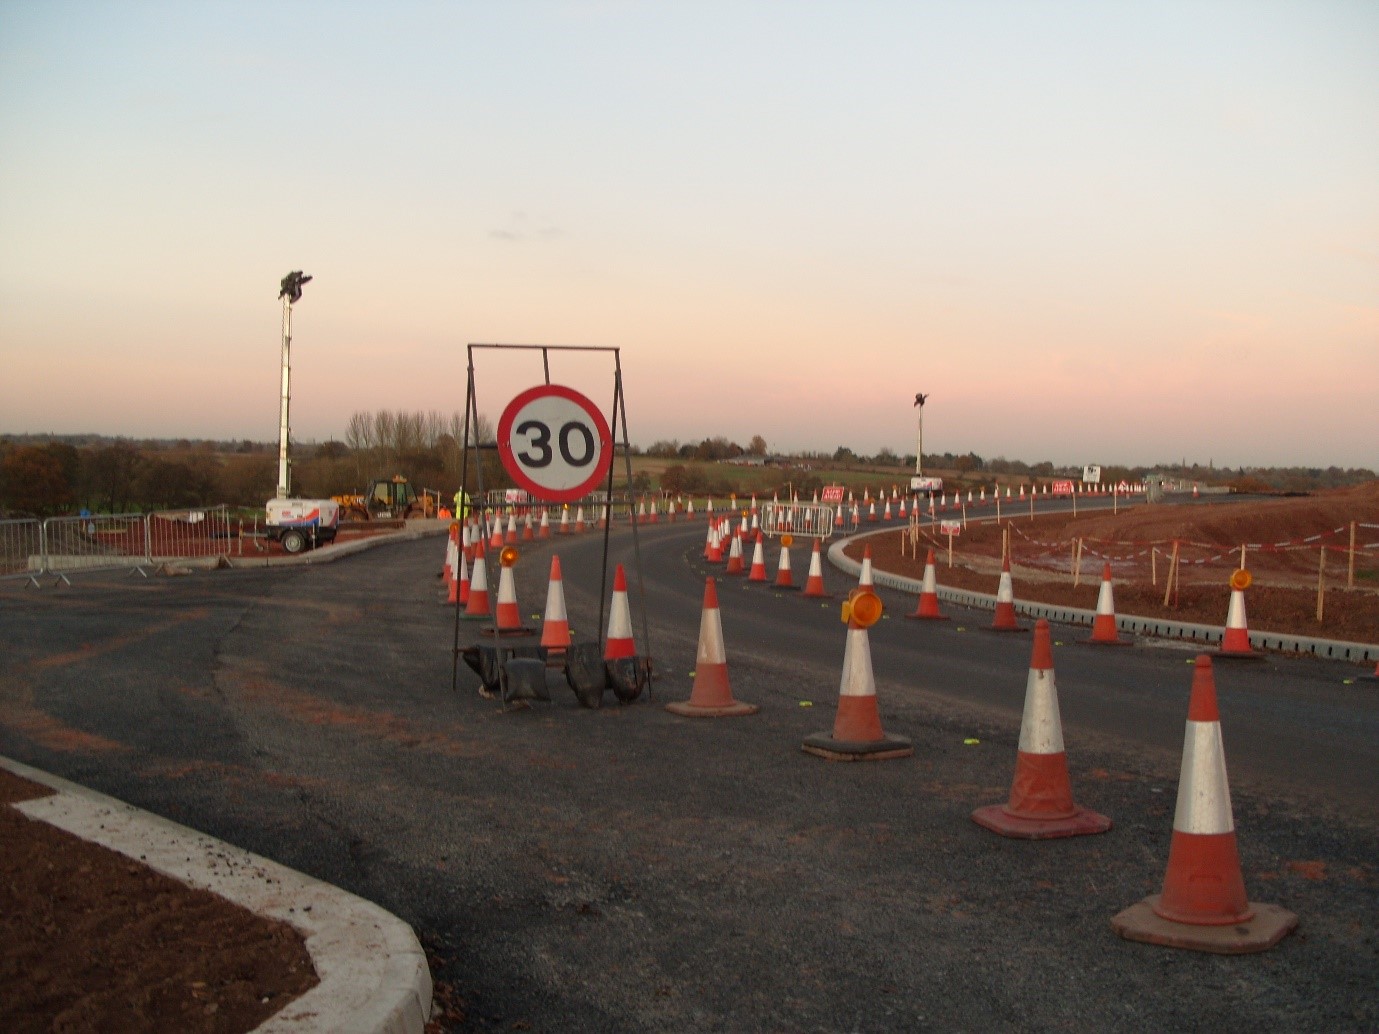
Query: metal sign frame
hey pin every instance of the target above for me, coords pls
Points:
(618, 422)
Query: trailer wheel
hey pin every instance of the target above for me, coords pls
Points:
(293, 541)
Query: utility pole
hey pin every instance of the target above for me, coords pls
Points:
(290, 291)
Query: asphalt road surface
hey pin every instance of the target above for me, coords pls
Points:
(627, 869)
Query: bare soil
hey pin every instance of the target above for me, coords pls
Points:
(92, 940)
(1285, 540)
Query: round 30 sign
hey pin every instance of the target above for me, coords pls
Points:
(555, 443)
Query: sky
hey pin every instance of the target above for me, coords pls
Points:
(1117, 233)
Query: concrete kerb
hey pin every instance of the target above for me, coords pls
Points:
(373, 972)
(414, 530)
(1329, 649)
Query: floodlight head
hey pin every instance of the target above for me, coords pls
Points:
(919, 399)
(291, 286)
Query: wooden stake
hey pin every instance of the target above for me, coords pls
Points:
(1154, 565)
(1321, 582)
(1350, 573)
(1172, 569)
(1242, 556)
(1077, 572)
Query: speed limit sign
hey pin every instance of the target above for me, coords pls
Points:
(555, 443)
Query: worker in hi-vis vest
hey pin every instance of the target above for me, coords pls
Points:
(461, 504)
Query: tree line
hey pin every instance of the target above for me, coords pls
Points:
(45, 476)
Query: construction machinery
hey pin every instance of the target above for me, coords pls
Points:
(385, 499)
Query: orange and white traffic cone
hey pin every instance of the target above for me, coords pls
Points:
(857, 734)
(886, 513)
(495, 538)
(555, 626)
(543, 530)
(715, 545)
(709, 533)
(579, 521)
(864, 577)
(1004, 620)
(511, 537)
(1041, 795)
(1203, 904)
(564, 528)
(620, 642)
(871, 513)
(927, 609)
(1104, 630)
(758, 571)
(507, 619)
(478, 607)
(463, 580)
(453, 583)
(711, 695)
(814, 583)
(784, 578)
(452, 552)
(735, 556)
(528, 532)
(1235, 640)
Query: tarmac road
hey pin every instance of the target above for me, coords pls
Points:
(625, 869)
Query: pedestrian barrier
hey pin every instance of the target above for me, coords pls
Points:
(21, 549)
(815, 520)
(105, 542)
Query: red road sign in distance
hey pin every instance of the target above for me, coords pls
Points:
(950, 527)
(1062, 488)
(832, 494)
(555, 443)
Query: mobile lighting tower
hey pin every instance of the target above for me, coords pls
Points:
(298, 524)
(290, 291)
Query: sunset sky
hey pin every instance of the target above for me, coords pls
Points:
(1093, 232)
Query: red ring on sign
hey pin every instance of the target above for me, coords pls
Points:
(520, 473)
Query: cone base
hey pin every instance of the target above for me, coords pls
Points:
(490, 630)
(1083, 822)
(736, 709)
(823, 745)
(1269, 926)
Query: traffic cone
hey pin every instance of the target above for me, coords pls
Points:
(927, 608)
(711, 696)
(864, 577)
(528, 533)
(564, 528)
(464, 580)
(1041, 796)
(886, 513)
(620, 642)
(735, 556)
(758, 571)
(508, 618)
(452, 551)
(453, 582)
(715, 545)
(1203, 904)
(784, 579)
(579, 521)
(555, 627)
(543, 530)
(708, 541)
(478, 607)
(1235, 640)
(1004, 620)
(1104, 631)
(511, 538)
(857, 733)
(495, 539)
(814, 584)
(871, 514)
